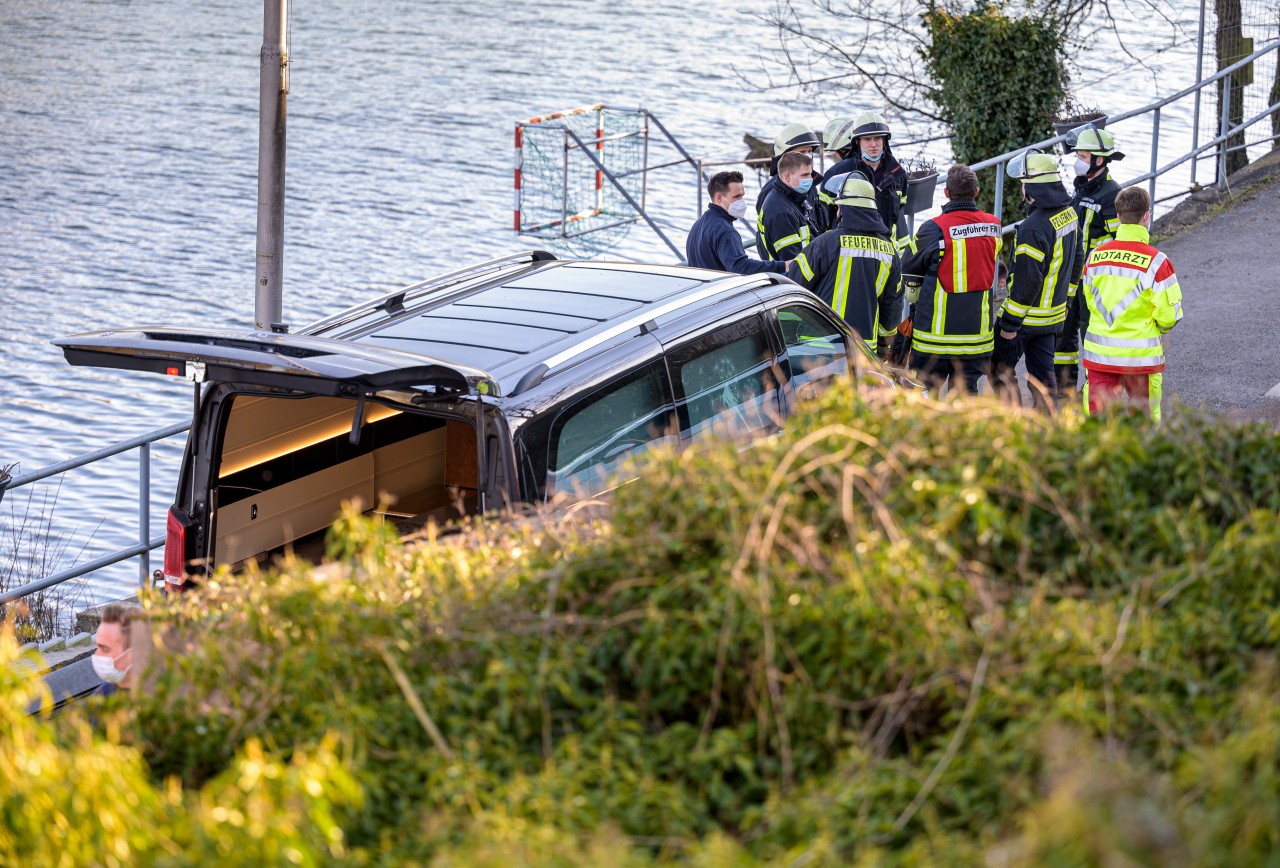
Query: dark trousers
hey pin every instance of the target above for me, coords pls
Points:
(936, 371)
(1067, 354)
(1038, 350)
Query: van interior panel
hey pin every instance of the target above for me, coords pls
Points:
(288, 482)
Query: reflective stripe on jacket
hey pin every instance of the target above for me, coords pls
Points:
(956, 254)
(858, 275)
(1134, 298)
(786, 223)
(1044, 257)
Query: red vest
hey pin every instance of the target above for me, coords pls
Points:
(969, 242)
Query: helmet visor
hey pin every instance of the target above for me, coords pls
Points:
(1018, 165)
(1074, 137)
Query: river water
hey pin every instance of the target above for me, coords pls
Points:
(128, 159)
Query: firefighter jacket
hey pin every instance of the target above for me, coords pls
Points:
(1134, 298)
(855, 269)
(890, 181)
(786, 223)
(1095, 204)
(714, 243)
(956, 254)
(821, 221)
(1044, 257)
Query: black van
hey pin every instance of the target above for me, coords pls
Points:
(513, 381)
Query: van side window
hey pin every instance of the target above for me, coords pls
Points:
(624, 418)
(729, 381)
(815, 346)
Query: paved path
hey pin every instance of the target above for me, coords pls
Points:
(1225, 354)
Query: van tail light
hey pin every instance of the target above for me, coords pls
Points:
(175, 549)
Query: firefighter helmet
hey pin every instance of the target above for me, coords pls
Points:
(1094, 140)
(1034, 167)
(853, 188)
(871, 124)
(838, 135)
(794, 136)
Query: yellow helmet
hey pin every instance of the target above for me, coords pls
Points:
(1095, 141)
(853, 188)
(1034, 167)
(794, 136)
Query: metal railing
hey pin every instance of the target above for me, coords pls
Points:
(1225, 133)
(145, 545)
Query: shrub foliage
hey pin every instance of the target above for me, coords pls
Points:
(903, 632)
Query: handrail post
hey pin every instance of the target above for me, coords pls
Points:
(1155, 144)
(1195, 115)
(144, 512)
(1224, 108)
(999, 190)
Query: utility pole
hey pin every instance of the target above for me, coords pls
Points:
(273, 98)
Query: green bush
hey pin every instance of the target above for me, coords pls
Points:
(1000, 77)
(902, 632)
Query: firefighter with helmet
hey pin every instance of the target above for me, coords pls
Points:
(1095, 204)
(800, 139)
(1044, 262)
(855, 267)
(862, 143)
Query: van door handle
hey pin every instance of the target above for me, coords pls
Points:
(253, 511)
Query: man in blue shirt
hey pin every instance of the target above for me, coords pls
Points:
(713, 242)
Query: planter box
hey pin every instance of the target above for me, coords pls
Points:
(1099, 121)
(920, 193)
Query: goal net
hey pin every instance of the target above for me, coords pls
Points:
(574, 172)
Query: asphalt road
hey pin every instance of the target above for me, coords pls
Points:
(1225, 354)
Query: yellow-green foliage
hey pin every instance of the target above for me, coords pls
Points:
(903, 632)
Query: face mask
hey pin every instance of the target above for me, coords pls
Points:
(105, 668)
(805, 186)
(1083, 167)
(737, 208)
(870, 159)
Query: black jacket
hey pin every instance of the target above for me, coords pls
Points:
(867, 295)
(714, 243)
(890, 181)
(786, 223)
(1095, 204)
(1044, 258)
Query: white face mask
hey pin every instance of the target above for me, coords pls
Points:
(737, 208)
(105, 668)
(1083, 167)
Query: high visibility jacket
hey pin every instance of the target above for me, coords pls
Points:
(821, 222)
(1134, 298)
(890, 181)
(856, 271)
(1044, 255)
(956, 253)
(786, 223)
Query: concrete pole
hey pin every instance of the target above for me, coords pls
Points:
(273, 97)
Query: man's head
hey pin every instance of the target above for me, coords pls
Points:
(795, 169)
(1133, 206)
(112, 661)
(871, 136)
(962, 183)
(1094, 149)
(725, 188)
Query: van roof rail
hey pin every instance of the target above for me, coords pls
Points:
(394, 302)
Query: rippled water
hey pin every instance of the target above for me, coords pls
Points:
(128, 159)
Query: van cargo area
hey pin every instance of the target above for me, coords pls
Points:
(288, 465)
